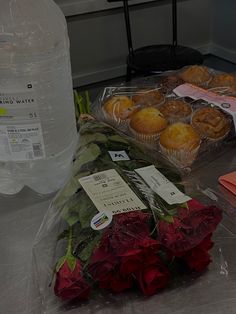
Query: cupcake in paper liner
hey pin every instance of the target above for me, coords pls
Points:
(223, 83)
(180, 143)
(211, 124)
(146, 124)
(169, 82)
(176, 110)
(148, 97)
(196, 74)
(118, 109)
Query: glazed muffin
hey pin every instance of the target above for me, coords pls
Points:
(176, 110)
(210, 123)
(148, 97)
(118, 109)
(147, 123)
(180, 143)
(169, 83)
(195, 74)
(224, 80)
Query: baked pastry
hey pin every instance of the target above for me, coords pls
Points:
(195, 74)
(147, 123)
(210, 123)
(224, 80)
(180, 143)
(169, 83)
(148, 97)
(176, 110)
(118, 109)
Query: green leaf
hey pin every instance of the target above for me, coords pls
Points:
(71, 260)
(73, 185)
(94, 126)
(184, 205)
(70, 211)
(118, 138)
(85, 254)
(173, 212)
(86, 212)
(60, 263)
(167, 218)
(91, 138)
(79, 209)
(63, 235)
(88, 154)
(88, 102)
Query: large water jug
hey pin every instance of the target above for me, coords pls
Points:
(37, 120)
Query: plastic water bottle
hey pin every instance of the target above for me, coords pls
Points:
(37, 120)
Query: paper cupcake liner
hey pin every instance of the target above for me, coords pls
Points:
(115, 121)
(206, 139)
(146, 104)
(172, 120)
(224, 90)
(181, 158)
(202, 84)
(150, 138)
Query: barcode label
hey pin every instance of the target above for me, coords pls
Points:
(37, 149)
(99, 177)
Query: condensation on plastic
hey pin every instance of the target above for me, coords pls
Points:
(211, 292)
(209, 149)
(34, 48)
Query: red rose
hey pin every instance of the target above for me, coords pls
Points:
(198, 258)
(131, 262)
(102, 265)
(132, 223)
(133, 259)
(152, 277)
(71, 284)
(190, 227)
(206, 243)
(116, 282)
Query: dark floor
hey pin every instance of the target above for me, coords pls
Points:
(209, 60)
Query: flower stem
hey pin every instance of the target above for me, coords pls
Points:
(69, 245)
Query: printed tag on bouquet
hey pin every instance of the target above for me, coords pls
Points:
(162, 186)
(110, 193)
(118, 155)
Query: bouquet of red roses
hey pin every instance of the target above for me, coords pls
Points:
(125, 221)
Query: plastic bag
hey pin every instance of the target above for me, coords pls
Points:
(140, 244)
(185, 115)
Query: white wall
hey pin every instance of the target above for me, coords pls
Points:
(223, 39)
(98, 40)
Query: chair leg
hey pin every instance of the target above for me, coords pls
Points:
(128, 74)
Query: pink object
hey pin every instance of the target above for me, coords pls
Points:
(226, 103)
(229, 181)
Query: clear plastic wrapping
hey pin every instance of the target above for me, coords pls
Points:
(153, 237)
(187, 115)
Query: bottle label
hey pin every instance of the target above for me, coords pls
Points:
(21, 136)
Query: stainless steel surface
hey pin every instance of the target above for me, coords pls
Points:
(213, 292)
(20, 218)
